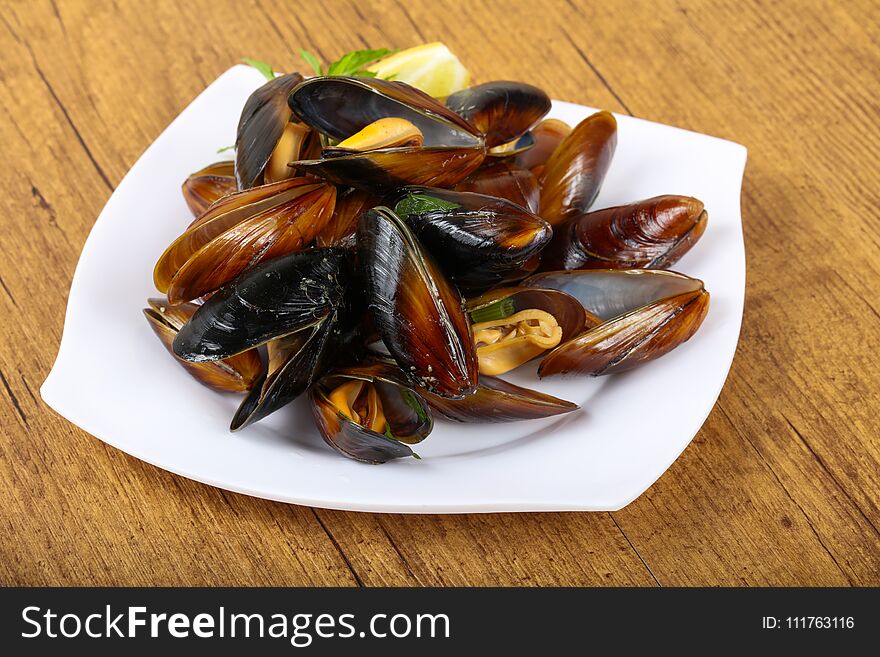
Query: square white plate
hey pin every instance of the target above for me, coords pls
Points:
(114, 379)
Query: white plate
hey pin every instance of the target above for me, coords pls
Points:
(114, 379)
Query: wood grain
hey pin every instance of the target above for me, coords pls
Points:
(779, 487)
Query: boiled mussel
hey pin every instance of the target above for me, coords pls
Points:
(235, 374)
(387, 134)
(502, 111)
(269, 137)
(572, 177)
(480, 240)
(271, 300)
(368, 412)
(651, 234)
(511, 326)
(646, 313)
(240, 231)
(295, 305)
(418, 313)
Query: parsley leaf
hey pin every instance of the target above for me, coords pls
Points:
(262, 67)
(312, 61)
(351, 63)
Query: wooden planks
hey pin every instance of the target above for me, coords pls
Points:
(780, 486)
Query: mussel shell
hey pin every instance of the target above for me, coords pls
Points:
(388, 168)
(573, 175)
(496, 400)
(417, 312)
(546, 137)
(208, 185)
(235, 374)
(408, 415)
(653, 233)
(479, 240)
(218, 250)
(649, 313)
(221, 216)
(501, 110)
(295, 362)
(271, 300)
(611, 293)
(341, 106)
(504, 302)
(262, 121)
(504, 179)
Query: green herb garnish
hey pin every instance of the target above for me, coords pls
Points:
(262, 67)
(415, 204)
(226, 148)
(312, 61)
(501, 309)
(352, 63)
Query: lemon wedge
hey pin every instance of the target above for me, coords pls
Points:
(430, 67)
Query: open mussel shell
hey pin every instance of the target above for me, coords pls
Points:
(511, 326)
(294, 363)
(573, 175)
(388, 168)
(271, 300)
(546, 137)
(501, 110)
(504, 179)
(367, 412)
(261, 126)
(208, 185)
(235, 374)
(647, 313)
(653, 233)
(496, 400)
(418, 314)
(479, 240)
(340, 107)
(240, 231)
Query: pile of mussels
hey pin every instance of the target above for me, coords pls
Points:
(391, 254)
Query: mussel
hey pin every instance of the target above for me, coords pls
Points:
(511, 326)
(646, 313)
(426, 144)
(651, 234)
(241, 230)
(481, 240)
(271, 300)
(501, 111)
(572, 177)
(268, 137)
(368, 413)
(418, 314)
(504, 179)
(295, 305)
(235, 374)
(209, 184)
(496, 400)
(547, 135)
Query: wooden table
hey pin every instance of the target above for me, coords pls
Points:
(779, 487)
